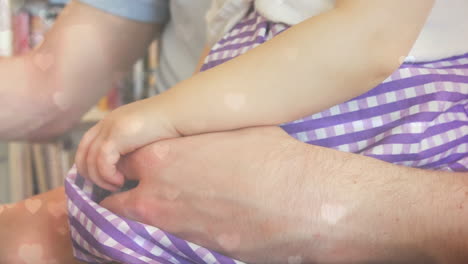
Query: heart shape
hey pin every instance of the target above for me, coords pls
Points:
(30, 253)
(57, 209)
(171, 194)
(44, 61)
(332, 214)
(229, 242)
(61, 100)
(63, 230)
(235, 101)
(33, 205)
(161, 150)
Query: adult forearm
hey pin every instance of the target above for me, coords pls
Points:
(447, 207)
(33, 98)
(312, 204)
(386, 212)
(89, 50)
(23, 108)
(304, 70)
(82, 55)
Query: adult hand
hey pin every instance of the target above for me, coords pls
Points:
(260, 196)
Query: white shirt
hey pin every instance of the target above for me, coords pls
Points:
(444, 34)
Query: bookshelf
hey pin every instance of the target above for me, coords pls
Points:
(94, 115)
(29, 168)
(6, 49)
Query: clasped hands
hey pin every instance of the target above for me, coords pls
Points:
(260, 196)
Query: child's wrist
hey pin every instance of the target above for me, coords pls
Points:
(166, 118)
(176, 118)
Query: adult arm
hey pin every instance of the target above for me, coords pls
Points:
(46, 91)
(265, 86)
(262, 197)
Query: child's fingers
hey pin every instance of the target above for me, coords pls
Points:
(83, 148)
(91, 163)
(107, 158)
(120, 176)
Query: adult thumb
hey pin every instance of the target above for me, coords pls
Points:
(123, 204)
(128, 166)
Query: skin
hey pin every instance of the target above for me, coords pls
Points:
(294, 201)
(48, 80)
(428, 237)
(43, 227)
(38, 94)
(282, 205)
(376, 33)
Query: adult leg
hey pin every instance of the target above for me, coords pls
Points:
(36, 231)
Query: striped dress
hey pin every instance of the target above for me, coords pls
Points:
(417, 117)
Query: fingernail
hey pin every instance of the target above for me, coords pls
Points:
(116, 182)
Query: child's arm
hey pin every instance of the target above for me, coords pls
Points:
(321, 62)
(324, 61)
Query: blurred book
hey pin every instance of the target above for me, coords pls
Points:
(152, 65)
(21, 24)
(139, 80)
(6, 49)
(20, 171)
(4, 179)
(6, 30)
(54, 164)
(38, 30)
(40, 170)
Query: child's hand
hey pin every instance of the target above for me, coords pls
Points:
(122, 131)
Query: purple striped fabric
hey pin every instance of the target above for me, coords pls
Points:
(99, 236)
(417, 117)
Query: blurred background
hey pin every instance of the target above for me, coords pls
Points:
(26, 168)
